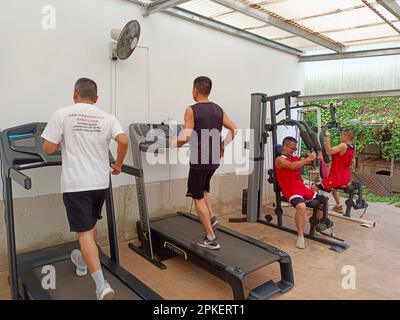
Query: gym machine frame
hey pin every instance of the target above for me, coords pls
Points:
(355, 187)
(260, 135)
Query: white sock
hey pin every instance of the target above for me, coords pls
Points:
(211, 238)
(98, 278)
(300, 242)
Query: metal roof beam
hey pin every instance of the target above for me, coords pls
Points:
(160, 5)
(351, 55)
(380, 15)
(281, 24)
(210, 23)
(350, 95)
(392, 6)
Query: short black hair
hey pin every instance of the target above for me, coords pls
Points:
(287, 139)
(86, 88)
(350, 132)
(203, 84)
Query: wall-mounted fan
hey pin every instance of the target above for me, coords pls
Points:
(126, 40)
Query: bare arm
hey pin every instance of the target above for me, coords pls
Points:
(282, 163)
(184, 136)
(122, 149)
(340, 148)
(49, 147)
(228, 124)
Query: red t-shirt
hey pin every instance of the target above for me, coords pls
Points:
(291, 182)
(340, 172)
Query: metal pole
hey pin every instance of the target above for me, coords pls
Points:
(111, 223)
(287, 107)
(263, 141)
(256, 125)
(141, 197)
(274, 143)
(11, 244)
(319, 121)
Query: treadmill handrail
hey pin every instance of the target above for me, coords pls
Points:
(130, 170)
(20, 178)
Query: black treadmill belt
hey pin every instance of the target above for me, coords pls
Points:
(71, 287)
(234, 251)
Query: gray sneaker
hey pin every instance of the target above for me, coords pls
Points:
(213, 245)
(214, 222)
(77, 260)
(105, 293)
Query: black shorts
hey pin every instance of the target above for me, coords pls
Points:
(296, 200)
(199, 182)
(320, 186)
(84, 208)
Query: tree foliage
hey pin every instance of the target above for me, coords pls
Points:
(378, 122)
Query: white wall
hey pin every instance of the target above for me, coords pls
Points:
(39, 67)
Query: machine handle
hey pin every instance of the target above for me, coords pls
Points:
(132, 171)
(20, 178)
(127, 169)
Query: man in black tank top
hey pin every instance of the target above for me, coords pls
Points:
(203, 124)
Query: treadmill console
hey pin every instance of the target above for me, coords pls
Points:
(153, 137)
(22, 147)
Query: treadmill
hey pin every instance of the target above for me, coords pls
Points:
(21, 149)
(176, 233)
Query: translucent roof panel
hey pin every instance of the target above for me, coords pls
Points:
(363, 33)
(346, 22)
(271, 32)
(342, 20)
(300, 43)
(205, 8)
(292, 9)
(385, 12)
(240, 20)
(394, 42)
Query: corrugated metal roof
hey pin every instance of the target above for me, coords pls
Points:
(347, 22)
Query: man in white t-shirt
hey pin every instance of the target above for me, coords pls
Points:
(84, 132)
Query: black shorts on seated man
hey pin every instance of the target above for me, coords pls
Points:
(203, 125)
(83, 131)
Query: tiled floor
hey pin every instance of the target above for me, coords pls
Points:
(374, 253)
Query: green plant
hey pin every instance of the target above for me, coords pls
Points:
(379, 122)
(368, 196)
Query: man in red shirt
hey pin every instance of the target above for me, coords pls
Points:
(288, 174)
(340, 172)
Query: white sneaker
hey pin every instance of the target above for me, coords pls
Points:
(105, 293)
(209, 244)
(300, 243)
(76, 257)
